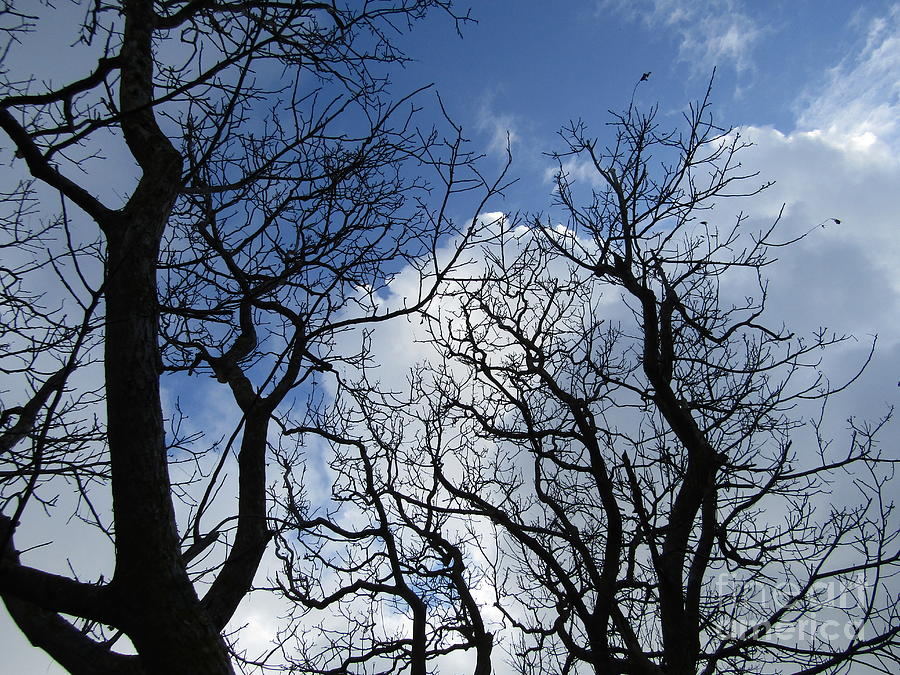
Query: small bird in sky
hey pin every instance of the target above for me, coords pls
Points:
(645, 76)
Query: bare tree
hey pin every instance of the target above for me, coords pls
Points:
(276, 191)
(387, 559)
(639, 436)
(611, 445)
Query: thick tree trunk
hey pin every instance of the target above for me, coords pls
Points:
(154, 597)
(156, 602)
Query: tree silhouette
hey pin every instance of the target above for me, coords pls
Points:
(277, 190)
(635, 430)
(605, 467)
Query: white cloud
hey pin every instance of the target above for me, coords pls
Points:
(842, 276)
(821, 175)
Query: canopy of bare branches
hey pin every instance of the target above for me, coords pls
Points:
(602, 461)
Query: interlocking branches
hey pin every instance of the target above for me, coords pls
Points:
(634, 430)
(276, 190)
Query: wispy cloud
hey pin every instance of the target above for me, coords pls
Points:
(709, 32)
(860, 100)
(500, 127)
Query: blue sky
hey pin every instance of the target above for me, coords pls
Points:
(815, 83)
